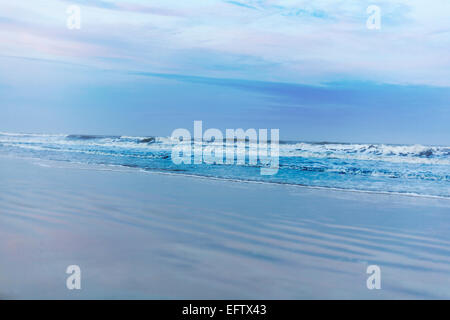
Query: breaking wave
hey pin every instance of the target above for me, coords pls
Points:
(414, 169)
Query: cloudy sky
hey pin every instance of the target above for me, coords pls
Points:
(310, 68)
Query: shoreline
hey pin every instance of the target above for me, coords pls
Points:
(96, 167)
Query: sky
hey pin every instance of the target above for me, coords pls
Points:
(309, 68)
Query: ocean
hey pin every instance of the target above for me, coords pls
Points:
(405, 169)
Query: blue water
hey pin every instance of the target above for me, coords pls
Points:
(409, 169)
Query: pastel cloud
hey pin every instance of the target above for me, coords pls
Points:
(295, 41)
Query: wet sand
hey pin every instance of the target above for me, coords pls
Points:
(158, 236)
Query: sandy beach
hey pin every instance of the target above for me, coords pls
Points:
(153, 236)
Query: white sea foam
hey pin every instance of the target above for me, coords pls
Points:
(419, 154)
